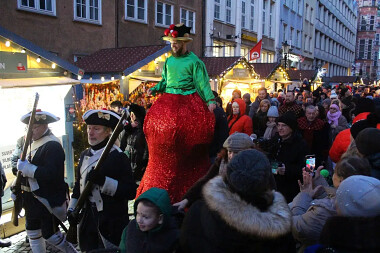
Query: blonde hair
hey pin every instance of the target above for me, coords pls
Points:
(264, 101)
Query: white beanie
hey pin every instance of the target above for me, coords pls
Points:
(333, 94)
(359, 196)
(272, 112)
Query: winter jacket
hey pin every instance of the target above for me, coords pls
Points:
(221, 131)
(259, 122)
(342, 124)
(222, 222)
(162, 239)
(291, 153)
(317, 136)
(240, 123)
(309, 217)
(343, 140)
(351, 234)
(255, 105)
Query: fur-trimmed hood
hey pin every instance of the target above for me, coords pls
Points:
(244, 217)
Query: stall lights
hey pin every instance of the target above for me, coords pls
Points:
(53, 65)
(123, 77)
(102, 79)
(38, 59)
(7, 43)
(112, 78)
(23, 51)
(139, 70)
(79, 78)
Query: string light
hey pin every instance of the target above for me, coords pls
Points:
(38, 59)
(102, 78)
(23, 51)
(53, 65)
(79, 78)
(7, 43)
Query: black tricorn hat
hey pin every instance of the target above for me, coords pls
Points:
(41, 117)
(177, 32)
(101, 117)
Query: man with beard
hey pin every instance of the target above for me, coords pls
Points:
(262, 94)
(290, 105)
(179, 126)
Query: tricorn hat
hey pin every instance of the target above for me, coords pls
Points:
(177, 32)
(41, 117)
(101, 117)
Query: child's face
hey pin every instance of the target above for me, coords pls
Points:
(147, 218)
(271, 119)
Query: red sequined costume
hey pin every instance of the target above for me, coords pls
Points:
(179, 128)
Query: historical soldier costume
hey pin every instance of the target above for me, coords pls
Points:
(44, 191)
(105, 213)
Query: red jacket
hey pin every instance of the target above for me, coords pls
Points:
(343, 140)
(243, 124)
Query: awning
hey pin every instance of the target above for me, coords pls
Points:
(96, 81)
(30, 82)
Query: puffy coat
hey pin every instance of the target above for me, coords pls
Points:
(223, 223)
(241, 122)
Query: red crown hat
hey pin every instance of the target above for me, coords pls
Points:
(177, 32)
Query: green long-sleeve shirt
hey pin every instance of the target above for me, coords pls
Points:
(185, 75)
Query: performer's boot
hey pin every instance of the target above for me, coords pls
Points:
(36, 241)
(58, 240)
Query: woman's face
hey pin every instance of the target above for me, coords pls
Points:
(336, 180)
(333, 110)
(264, 107)
(231, 154)
(271, 119)
(235, 108)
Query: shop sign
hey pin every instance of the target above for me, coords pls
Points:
(248, 37)
(13, 62)
(239, 73)
(6, 155)
(70, 112)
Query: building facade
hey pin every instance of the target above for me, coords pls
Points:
(76, 28)
(232, 28)
(367, 47)
(335, 36)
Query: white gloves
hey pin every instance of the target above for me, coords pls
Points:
(27, 169)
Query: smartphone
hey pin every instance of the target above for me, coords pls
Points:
(310, 162)
(274, 166)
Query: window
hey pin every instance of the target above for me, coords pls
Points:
(369, 50)
(243, 23)
(217, 9)
(46, 7)
(252, 18)
(216, 49)
(298, 42)
(285, 32)
(307, 12)
(270, 32)
(228, 51)
(88, 11)
(371, 23)
(264, 17)
(310, 44)
(228, 11)
(292, 36)
(136, 10)
(188, 18)
(164, 14)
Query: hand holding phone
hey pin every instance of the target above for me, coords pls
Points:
(310, 163)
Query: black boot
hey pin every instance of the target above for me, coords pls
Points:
(4, 243)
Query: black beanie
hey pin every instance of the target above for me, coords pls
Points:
(372, 120)
(249, 173)
(368, 141)
(289, 118)
(364, 105)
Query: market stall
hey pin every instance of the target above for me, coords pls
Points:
(347, 80)
(230, 73)
(120, 74)
(24, 70)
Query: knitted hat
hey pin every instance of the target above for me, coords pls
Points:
(359, 196)
(364, 105)
(272, 112)
(333, 94)
(335, 106)
(249, 173)
(368, 141)
(237, 142)
(290, 119)
(372, 120)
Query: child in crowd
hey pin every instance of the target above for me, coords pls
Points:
(154, 229)
(271, 129)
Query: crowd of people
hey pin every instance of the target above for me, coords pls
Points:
(260, 193)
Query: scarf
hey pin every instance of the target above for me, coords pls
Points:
(269, 130)
(333, 117)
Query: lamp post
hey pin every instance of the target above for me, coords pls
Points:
(285, 50)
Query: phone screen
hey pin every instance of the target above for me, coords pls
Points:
(310, 162)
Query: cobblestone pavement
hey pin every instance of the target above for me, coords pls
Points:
(19, 244)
